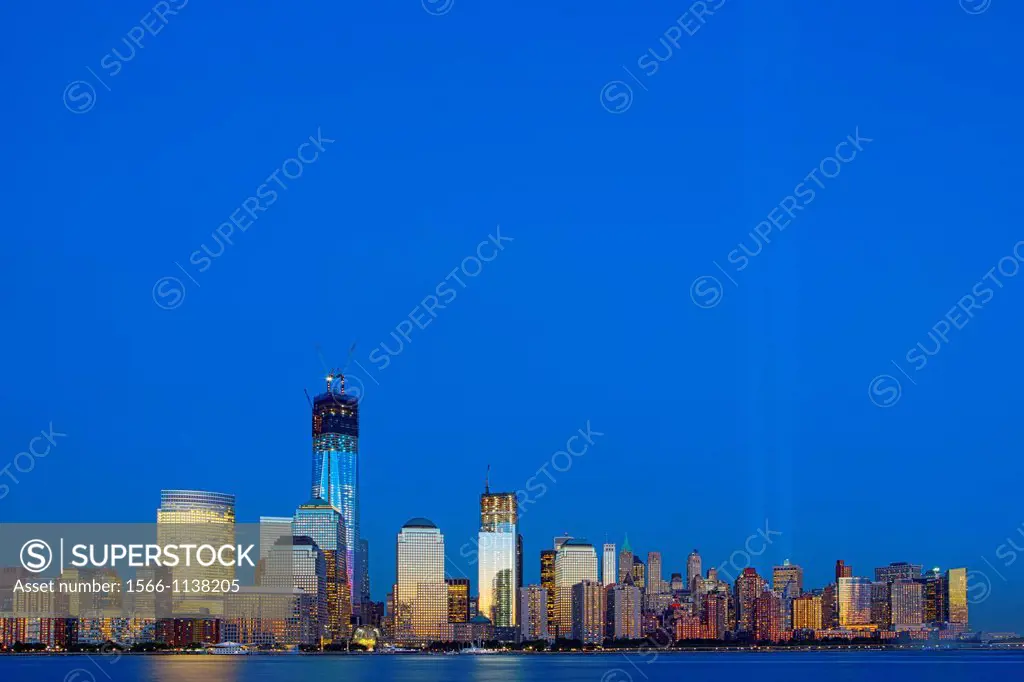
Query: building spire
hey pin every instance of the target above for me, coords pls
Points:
(487, 481)
(625, 544)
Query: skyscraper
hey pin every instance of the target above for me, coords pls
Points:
(421, 594)
(842, 570)
(854, 602)
(788, 575)
(906, 604)
(749, 586)
(625, 560)
(575, 561)
(654, 584)
(608, 573)
(588, 610)
(497, 566)
(881, 609)
(807, 612)
(547, 581)
(458, 600)
(363, 559)
(533, 613)
(625, 607)
(767, 617)
(197, 517)
(639, 573)
(935, 593)
(899, 570)
(336, 468)
(956, 596)
(320, 521)
(693, 568)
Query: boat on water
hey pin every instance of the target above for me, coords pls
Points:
(475, 650)
(227, 649)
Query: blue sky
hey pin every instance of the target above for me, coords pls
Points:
(445, 126)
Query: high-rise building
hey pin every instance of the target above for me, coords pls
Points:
(547, 581)
(533, 613)
(807, 612)
(899, 570)
(767, 617)
(854, 598)
(788, 575)
(639, 577)
(842, 570)
(654, 584)
(714, 613)
(749, 586)
(693, 568)
(625, 560)
(336, 469)
(272, 529)
(608, 574)
(458, 600)
(519, 561)
(676, 582)
(881, 609)
(575, 562)
(956, 596)
(935, 593)
(561, 540)
(363, 556)
(197, 517)
(421, 594)
(588, 610)
(906, 604)
(625, 608)
(321, 521)
(497, 558)
(830, 606)
(296, 562)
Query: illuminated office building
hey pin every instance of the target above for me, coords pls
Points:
(547, 581)
(272, 529)
(608, 573)
(639, 577)
(319, 520)
(693, 569)
(625, 560)
(336, 470)
(497, 557)
(807, 612)
(588, 610)
(767, 617)
(458, 600)
(533, 613)
(899, 570)
(906, 604)
(625, 606)
(956, 596)
(749, 586)
(200, 518)
(297, 563)
(881, 608)
(654, 584)
(830, 606)
(854, 599)
(788, 576)
(935, 593)
(575, 561)
(421, 594)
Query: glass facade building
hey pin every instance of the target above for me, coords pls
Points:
(458, 600)
(956, 600)
(421, 594)
(906, 604)
(498, 563)
(336, 469)
(575, 561)
(322, 523)
(547, 581)
(854, 598)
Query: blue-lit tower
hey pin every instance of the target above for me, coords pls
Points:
(336, 467)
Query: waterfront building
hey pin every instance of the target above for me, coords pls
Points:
(421, 594)
(854, 599)
(693, 569)
(197, 517)
(749, 586)
(497, 557)
(533, 613)
(547, 581)
(767, 617)
(321, 521)
(899, 570)
(575, 562)
(808, 612)
(956, 596)
(906, 604)
(625, 560)
(608, 573)
(624, 603)
(458, 600)
(588, 610)
(336, 471)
